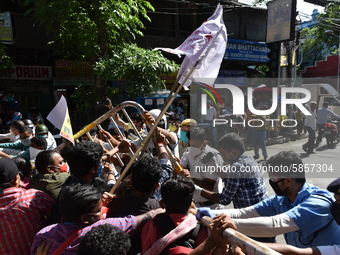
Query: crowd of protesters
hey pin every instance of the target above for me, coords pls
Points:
(81, 198)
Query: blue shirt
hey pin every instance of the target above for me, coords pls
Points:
(311, 212)
(323, 114)
(167, 173)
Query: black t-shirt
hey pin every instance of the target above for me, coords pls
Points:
(129, 204)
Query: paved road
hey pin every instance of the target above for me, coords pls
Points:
(323, 166)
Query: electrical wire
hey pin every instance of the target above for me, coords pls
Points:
(337, 28)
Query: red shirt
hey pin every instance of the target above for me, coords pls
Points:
(150, 232)
(22, 215)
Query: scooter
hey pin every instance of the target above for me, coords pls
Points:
(331, 132)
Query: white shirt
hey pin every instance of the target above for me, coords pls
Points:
(174, 147)
(51, 143)
(12, 138)
(192, 158)
(310, 120)
(211, 114)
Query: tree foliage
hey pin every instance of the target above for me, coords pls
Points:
(101, 32)
(89, 29)
(5, 61)
(320, 42)
(139, 68)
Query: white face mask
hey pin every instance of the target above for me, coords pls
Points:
(34, 152)
(26, 141)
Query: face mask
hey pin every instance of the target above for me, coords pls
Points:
(34, 152)
(184, 137)
(335, 210)
(26, 141)
(103, 212)
(64, 168)
(276, 188)
(10, 130)
(172, 127)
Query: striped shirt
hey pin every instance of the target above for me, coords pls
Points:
(57, 234)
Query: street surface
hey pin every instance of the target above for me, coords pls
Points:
(323, 166)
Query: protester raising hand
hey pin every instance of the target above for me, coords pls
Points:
(159, 137)
(106, 136)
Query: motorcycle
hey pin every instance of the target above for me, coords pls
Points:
(331, 132)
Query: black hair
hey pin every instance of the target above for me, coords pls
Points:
(231, 141)
(24, 166)
(281, 164)
(105, 239)
(177, 192)
(7, 185)
(137, 117)
(325, 104)
(146, 173)
(18, 124)
(43, 160)
(26, 129)
(82, 157)
(77, 200)
(162, 123)
(40, 141)
(197, 133)
(100, 183)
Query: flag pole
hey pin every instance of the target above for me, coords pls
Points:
(145, 142)
(172, 90)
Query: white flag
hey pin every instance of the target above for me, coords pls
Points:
(207, 44)
(60, 118)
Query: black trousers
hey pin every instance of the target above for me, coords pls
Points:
(321, 129)
(309, 145)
